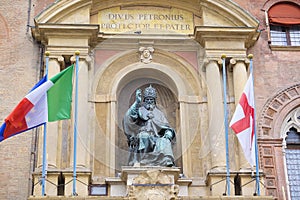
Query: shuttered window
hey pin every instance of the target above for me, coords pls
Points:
(284, 20)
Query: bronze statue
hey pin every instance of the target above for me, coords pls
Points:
(149, 135)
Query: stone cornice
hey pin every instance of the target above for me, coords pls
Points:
(245, 35)
(42, 32)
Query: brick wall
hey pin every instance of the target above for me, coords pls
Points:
(19, 71)
(273, 70)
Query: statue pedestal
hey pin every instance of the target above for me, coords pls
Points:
(148, 183)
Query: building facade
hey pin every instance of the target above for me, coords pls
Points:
(176, 46)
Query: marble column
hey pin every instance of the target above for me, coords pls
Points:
(216, 116)
(239, 80)
(185, 140)
(52, 143)
(112, 137)
(83, 135)
(52, 127)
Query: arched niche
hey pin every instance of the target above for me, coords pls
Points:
(178, 86)
(174, 70)
(167, 102)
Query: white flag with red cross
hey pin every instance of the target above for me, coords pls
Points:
(242, 122)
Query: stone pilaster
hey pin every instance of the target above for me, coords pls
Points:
(53, 142)
(53, 128)
(83, 133)
(216, 115)
(240, 77)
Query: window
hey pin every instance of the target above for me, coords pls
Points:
(291, 142)
(284, 20)
(293, 162)
(285, 35)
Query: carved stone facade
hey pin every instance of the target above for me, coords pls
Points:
(125, 45)
(271, 142)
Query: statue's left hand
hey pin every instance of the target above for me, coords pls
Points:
(168, 135)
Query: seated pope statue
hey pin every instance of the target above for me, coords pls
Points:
(149, 134)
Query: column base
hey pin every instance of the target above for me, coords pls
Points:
(83, 180)
(50, 183)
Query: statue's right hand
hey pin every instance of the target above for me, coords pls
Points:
(132, 142)
(138, 96)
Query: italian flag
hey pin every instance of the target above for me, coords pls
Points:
(48, 101)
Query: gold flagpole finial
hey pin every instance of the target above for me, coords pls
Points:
(47, 53)
(223, 56)
(250, 56)
(77, 53)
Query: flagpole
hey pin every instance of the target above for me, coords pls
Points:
(77, 53)
(250, 56)
(226, 124)
(47, 53)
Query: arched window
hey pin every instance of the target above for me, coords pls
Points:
(291, 135)
(284, 24)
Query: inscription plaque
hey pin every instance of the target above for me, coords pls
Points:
(116, 20)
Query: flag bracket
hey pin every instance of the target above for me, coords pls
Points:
(210, 187)
(254, 179)
(223, 179)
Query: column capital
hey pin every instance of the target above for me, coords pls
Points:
(85, 58)
(235, 60)
(208, 60)
(58, 58)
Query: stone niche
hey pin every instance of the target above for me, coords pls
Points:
(148, 183)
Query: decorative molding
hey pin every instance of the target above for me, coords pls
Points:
(146, 54)
(153, 184)
(81, 32)
(207, 60)
(268, 162)
(273, 108)
(246, 35)
(284, 48)
(233, 61)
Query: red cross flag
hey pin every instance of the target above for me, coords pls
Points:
(242, 122)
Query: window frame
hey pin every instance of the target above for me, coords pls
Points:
(289, 42)
(287, 33)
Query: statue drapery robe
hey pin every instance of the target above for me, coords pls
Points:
(150, 137)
